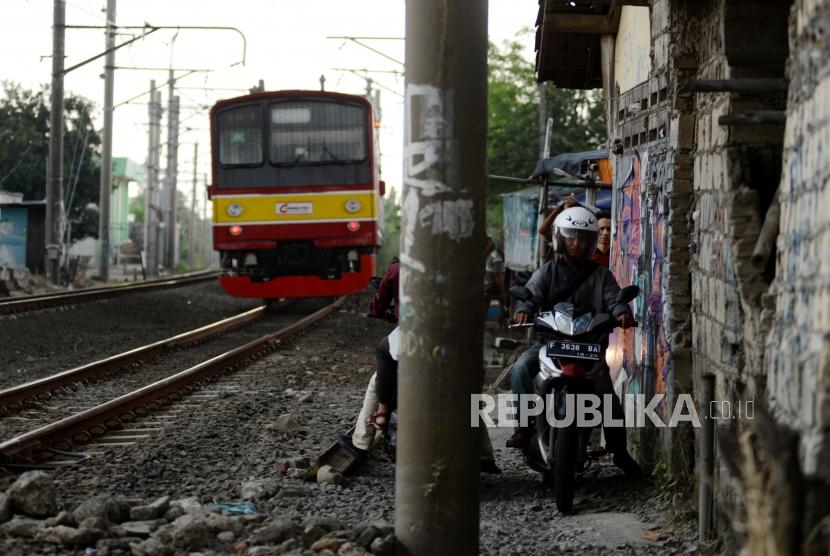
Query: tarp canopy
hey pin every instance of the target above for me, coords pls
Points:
(520, 213)
(573, 163)
(603, 196)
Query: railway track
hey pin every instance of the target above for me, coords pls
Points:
(17, 398)
(42, 301)
(40, 435)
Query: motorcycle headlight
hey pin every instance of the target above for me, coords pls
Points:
(582, 323)
(563, 322)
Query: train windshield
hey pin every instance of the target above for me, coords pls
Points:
(307, 132)
(240, 136)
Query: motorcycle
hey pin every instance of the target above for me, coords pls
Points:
(571, 361)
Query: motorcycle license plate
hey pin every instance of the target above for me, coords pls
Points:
(558, 348)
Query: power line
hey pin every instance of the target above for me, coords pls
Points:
(357, 40)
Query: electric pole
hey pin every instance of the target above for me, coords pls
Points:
(191, 235)
(170, 178)
(54, 190)
(442, 266)
(106, 149)
(151, 196)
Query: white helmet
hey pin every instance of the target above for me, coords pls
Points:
(576, 222)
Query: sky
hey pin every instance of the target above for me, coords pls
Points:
(287, 47)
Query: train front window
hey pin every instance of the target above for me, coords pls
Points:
(313, 132)
(240, 136)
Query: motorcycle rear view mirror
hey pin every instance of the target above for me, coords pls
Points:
(628, 293)
(521, 293)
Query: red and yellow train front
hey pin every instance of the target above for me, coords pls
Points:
(296, 194)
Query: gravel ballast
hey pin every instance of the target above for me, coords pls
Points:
(289, 406)
(40, 343)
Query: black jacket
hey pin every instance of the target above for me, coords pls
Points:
(597, 292)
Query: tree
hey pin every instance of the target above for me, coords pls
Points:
(24, 152)
(513, 121)
(137, 207)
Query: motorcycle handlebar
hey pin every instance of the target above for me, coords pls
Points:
(613, 323)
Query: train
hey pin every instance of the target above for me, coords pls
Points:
(297, 194)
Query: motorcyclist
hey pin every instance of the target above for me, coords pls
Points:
(573, 277)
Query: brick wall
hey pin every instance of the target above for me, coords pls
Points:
(762, 331)
(798, 347)
(652, 206)
(691, 194)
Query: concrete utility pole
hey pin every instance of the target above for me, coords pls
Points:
(190, 229)
(151, 197)
(106, 148)
(442, 256)
(170, 178)
(54, 189)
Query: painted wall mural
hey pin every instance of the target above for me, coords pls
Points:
(640, 357)
(13, 222)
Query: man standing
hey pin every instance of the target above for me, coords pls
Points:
(494, 286)
(603, 251)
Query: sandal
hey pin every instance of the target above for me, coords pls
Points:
(378, 420)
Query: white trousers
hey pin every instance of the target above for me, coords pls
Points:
(364, 434)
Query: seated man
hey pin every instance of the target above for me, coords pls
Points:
(380, 399)
(373, 415)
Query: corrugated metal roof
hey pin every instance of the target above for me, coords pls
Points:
(568, 40)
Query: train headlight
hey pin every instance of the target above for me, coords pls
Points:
(352, 205)
(353, 226)
(235, 230)
(234, 210)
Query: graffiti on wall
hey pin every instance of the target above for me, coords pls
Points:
(637, 251)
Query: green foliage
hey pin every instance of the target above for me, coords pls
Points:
(137, 207)
(391, 231)
(85, 222)
(24, 152)
(666, 484)
(513, 138)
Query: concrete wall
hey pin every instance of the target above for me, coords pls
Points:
(632, 63)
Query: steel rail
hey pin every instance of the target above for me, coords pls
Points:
(41, 301)
(97, 421)
(14, 398)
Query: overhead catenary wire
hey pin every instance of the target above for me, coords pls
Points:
(77, 174)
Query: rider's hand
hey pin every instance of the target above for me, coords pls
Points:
(520, 318)
(626, 321)
(570, 202)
